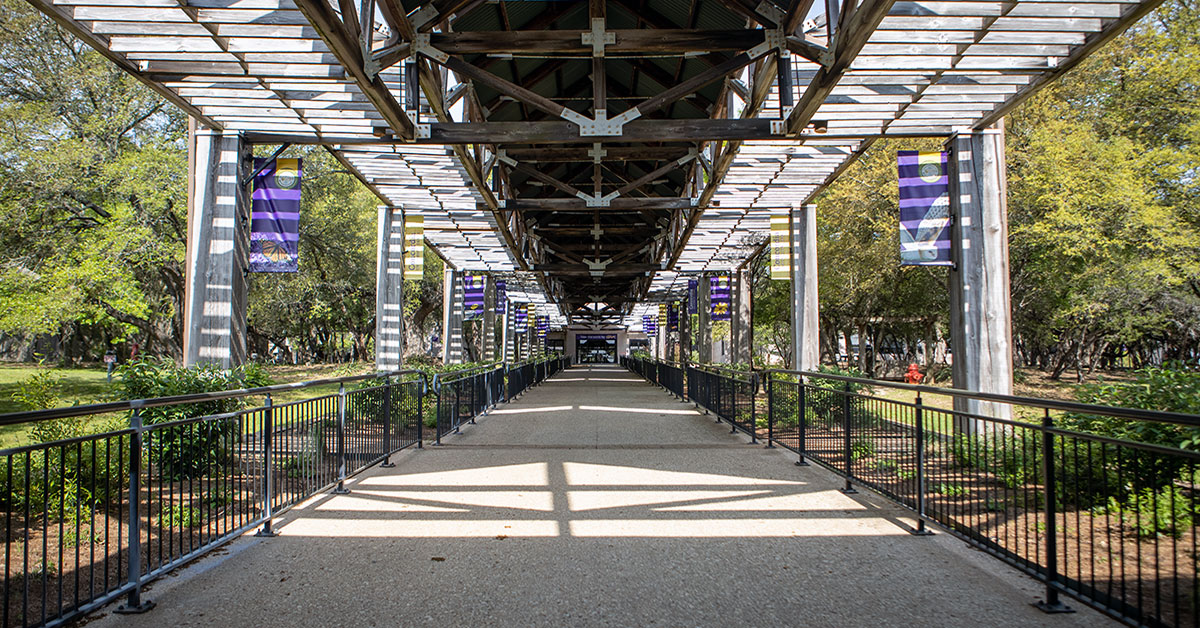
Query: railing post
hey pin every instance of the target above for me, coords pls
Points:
(770, 413)
(387, 425)
(341, 441)
(474, 396)
(753, 409)
(849, 488)
(422, 390)
(921, 530)
(801, 416)
(268, 469)
(135, 604)
(1051, 604)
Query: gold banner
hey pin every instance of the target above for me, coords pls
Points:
(781, 245)
(414, 248)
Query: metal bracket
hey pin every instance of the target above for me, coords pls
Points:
(597, 38)
(422, 46)
(778, 127)
(773, 39)
(597, 152)
(771, 12)
(424, 15)
(424, 131)
(502, 156)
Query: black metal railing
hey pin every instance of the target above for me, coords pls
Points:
(730, 395)
(90, 519)
(522, 377)
(1109, 521)
(668, 375)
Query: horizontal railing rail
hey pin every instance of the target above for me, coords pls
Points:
(92, 518)
(1107, 520)
(1039, 483)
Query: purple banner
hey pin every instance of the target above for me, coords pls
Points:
(501, 297)
(472, 296)
(924, 208)
(543, 325)
(649, 325)
(275, 216)
(693, 297)
(672, 317)
(719, 297)
(520, 318)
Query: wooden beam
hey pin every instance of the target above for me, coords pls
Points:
(349, 54)
(849, 41)
(617, 204)
(563, 132)
(569, 42)
(614, 153)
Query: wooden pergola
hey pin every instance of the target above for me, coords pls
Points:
(604, 150)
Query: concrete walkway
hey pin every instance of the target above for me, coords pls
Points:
(598, 500)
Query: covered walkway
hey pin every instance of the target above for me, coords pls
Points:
(597, 499)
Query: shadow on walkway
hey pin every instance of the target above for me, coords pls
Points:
(598, 499)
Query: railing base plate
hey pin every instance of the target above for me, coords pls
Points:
(267, 534)
(801, 463)
(126, 609)
(387, 465)
(1052, 608)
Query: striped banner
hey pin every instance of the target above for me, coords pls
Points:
(648, 326)
(473, 295)
(520, 318)
(924, 208)
(720, 297)
(781, 245)
(414, 247)
(275, 216)
(662, 316)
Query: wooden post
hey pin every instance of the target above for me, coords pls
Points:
(489, 319)
(218, 250)
(389, 290)
(980, 310)
(806, 353)
(452, 317)
(704, 328)
(741, 325)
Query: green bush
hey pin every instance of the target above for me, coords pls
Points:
(1151, 513)
(1172, 388)
(190, 450)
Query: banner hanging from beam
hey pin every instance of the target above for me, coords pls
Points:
(275, 216)
(520, 318)
(672, 316)
(501, 297)
(543, 326)
(473, 296)
(720, 296)
(648, 326)
(662, 316)
(924, 208)
(781, 245)
(414, 247)
(693, 297)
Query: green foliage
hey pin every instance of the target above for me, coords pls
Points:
(180, 516)
(1170, 389)
(1151, 512)
(192, 449)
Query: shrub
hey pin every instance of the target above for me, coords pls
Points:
(1172, 388)
(1151, 513)
(193, 449)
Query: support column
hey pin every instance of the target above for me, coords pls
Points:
(685, 334)
(452, 317)
(506, 335)
(806, 350)
(741, 324)
(704, 328)
(218, 250)
(980, 309)
(489, 319)
(389, 290)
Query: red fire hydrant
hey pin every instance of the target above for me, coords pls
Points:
(913, 376)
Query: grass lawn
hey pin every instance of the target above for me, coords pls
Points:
(89, 385)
